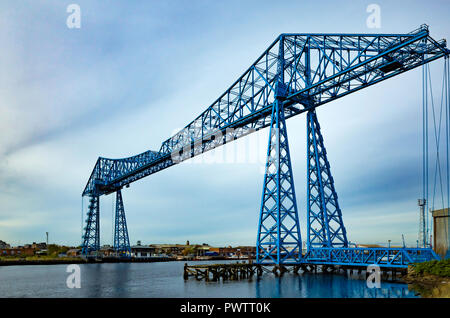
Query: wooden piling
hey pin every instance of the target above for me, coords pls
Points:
(238, 271)
(186, 273)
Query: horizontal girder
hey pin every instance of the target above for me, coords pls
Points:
(381, 256)
(317, 69)
(106, 170)
(364, 256)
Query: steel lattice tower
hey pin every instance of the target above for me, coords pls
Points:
(91, 238)
(121, 239)
(422, 226)
(325, 226)
(279, 239)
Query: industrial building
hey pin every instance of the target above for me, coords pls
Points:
(441, 238)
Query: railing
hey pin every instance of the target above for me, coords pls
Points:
(383, 257)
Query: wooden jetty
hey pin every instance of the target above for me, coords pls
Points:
(236, 271)
(213, 272)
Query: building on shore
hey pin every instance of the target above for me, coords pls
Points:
(17, 251)
(107, 250)
(73, 252)
(235, 252)
(4, 245)
(170, 249)
(142, 251)
(180, 251)
(191, 251)
(39, 246)
(441, 235)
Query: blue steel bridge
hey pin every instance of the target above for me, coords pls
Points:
(296, 74)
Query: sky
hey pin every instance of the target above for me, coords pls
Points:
(137, 71)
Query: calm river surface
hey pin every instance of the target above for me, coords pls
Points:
(166, 280)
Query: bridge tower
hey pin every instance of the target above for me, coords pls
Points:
(91, 238)
(325, 226)
(279, 239)
(121, 239)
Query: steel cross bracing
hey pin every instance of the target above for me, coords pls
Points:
(296, 74)
(91, 238)
(383, 257)
(325, 227)
(279, 240)
(121, 239)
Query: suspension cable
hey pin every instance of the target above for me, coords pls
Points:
(437, 135)
(427, 95)
(82, 212)
(445, 100)
(112, 220)
(424, 146)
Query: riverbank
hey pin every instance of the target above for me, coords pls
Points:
(430, 279)
(79, 260)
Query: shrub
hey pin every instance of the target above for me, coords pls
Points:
(438, 268)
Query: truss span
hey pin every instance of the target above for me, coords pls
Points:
(317, 69)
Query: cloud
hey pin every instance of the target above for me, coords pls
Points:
(135, 73)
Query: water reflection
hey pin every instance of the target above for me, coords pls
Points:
(92, 274)
(120, 285)
(309, 285)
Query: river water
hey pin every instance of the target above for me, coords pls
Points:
(166, 280)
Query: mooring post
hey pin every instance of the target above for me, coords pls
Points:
(275, 270)
(186, 274)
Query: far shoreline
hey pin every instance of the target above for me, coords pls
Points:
(78, 260)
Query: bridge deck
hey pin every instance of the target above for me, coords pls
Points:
(328, 259)
(236, 271)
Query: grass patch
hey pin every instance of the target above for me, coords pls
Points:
(438, 268)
